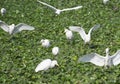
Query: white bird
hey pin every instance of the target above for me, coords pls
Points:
(55, 50)
(45, 43)
(69, 34)
(101, 60)
(105, 1)
(12, 29)
(58, 11)
(3, 11)
(46, 64)
(81, 31)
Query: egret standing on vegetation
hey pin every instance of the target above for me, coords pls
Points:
(58, 11)
(55, 50)
(69, 34)
(84, 36)
(3, 11)
(12, 29)
(45, 43)
(101, 60)
(46, 64)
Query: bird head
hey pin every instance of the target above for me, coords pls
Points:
(66, 30)
(107, 50)
(3, 11)
(42, 41)
(54, 63)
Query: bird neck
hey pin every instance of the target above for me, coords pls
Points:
(107, 53)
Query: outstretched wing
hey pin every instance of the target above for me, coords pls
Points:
(116, 58)
(22, 26)
(74, 8)
(80, 30)
(4, 26)
(93, 58)
(94, 28)
(47, 5)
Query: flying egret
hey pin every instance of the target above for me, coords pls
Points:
(45, 43)
(12, 29)
(105, 1)
(55, 50)
(99, 60)
(84, 36)
(58, 11)
(3, 11)
(69, 34)
(46, 64)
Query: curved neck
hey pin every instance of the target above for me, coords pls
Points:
(107, 52)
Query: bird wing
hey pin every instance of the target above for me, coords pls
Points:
(93, 58)
(44, 65)
(74, 8)
(80, 30)
(94, 28)
(116, 58)
(4, 26)
(22, 26)
(47, 5)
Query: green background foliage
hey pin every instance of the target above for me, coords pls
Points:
(20, 55)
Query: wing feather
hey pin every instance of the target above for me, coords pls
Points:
(94, 28)
(47, 5)
(44, 65)
(116, 58)
(80, 30)
(74, 8)
(4, 26)
(93, 58)
(22, 26)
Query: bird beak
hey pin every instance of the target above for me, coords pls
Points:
(57, 64)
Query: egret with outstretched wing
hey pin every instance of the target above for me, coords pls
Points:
(58, 11)
(81, 31)
(12, 29)
(101, 60)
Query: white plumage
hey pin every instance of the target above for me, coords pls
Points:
(105, 1)
(55, 50)
(101, 60)
(81, 31)
(45, 43)
(3, 11)
(69, 34)
(46, 64)
(58, 11)
(12, 29)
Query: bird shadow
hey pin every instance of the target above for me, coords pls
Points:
(92, 46)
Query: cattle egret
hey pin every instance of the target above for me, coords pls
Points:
(12, 29)
(58, 11)
(105, 1)
(69, 34)
(46, 64)
(45, 43)
(3, 11)
(55, 50)
(99, 60)
(84, 36)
